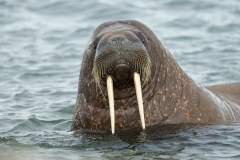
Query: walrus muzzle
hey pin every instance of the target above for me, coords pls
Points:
(121, 61)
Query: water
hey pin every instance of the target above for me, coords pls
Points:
(41, 48)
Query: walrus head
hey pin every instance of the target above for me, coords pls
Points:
(119, 55)
(120, 60)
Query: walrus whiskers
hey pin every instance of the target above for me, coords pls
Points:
(138, 88)
(111, 102)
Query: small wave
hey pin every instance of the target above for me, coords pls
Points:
(32, 125)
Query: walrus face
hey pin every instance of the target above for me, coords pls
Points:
(119, 55)
(121, 60)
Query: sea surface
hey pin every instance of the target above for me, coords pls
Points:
(41, 49)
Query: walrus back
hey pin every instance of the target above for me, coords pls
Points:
(229, 91)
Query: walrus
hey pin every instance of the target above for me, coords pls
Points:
(128, 79)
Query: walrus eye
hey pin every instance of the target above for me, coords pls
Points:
(141, 37)
(94, 44)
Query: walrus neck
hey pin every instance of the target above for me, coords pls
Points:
(172, 92)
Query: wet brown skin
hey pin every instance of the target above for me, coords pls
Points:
(170, 96)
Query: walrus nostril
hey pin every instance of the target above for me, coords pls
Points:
(117, 39)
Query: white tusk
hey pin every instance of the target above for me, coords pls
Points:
(111, 102)
(138, 88)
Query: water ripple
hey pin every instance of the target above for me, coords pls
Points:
(41, 48)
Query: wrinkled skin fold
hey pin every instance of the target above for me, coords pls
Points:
(128, 79)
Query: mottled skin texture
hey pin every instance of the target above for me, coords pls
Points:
(170, 97)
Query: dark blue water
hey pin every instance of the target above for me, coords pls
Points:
(41, 47)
